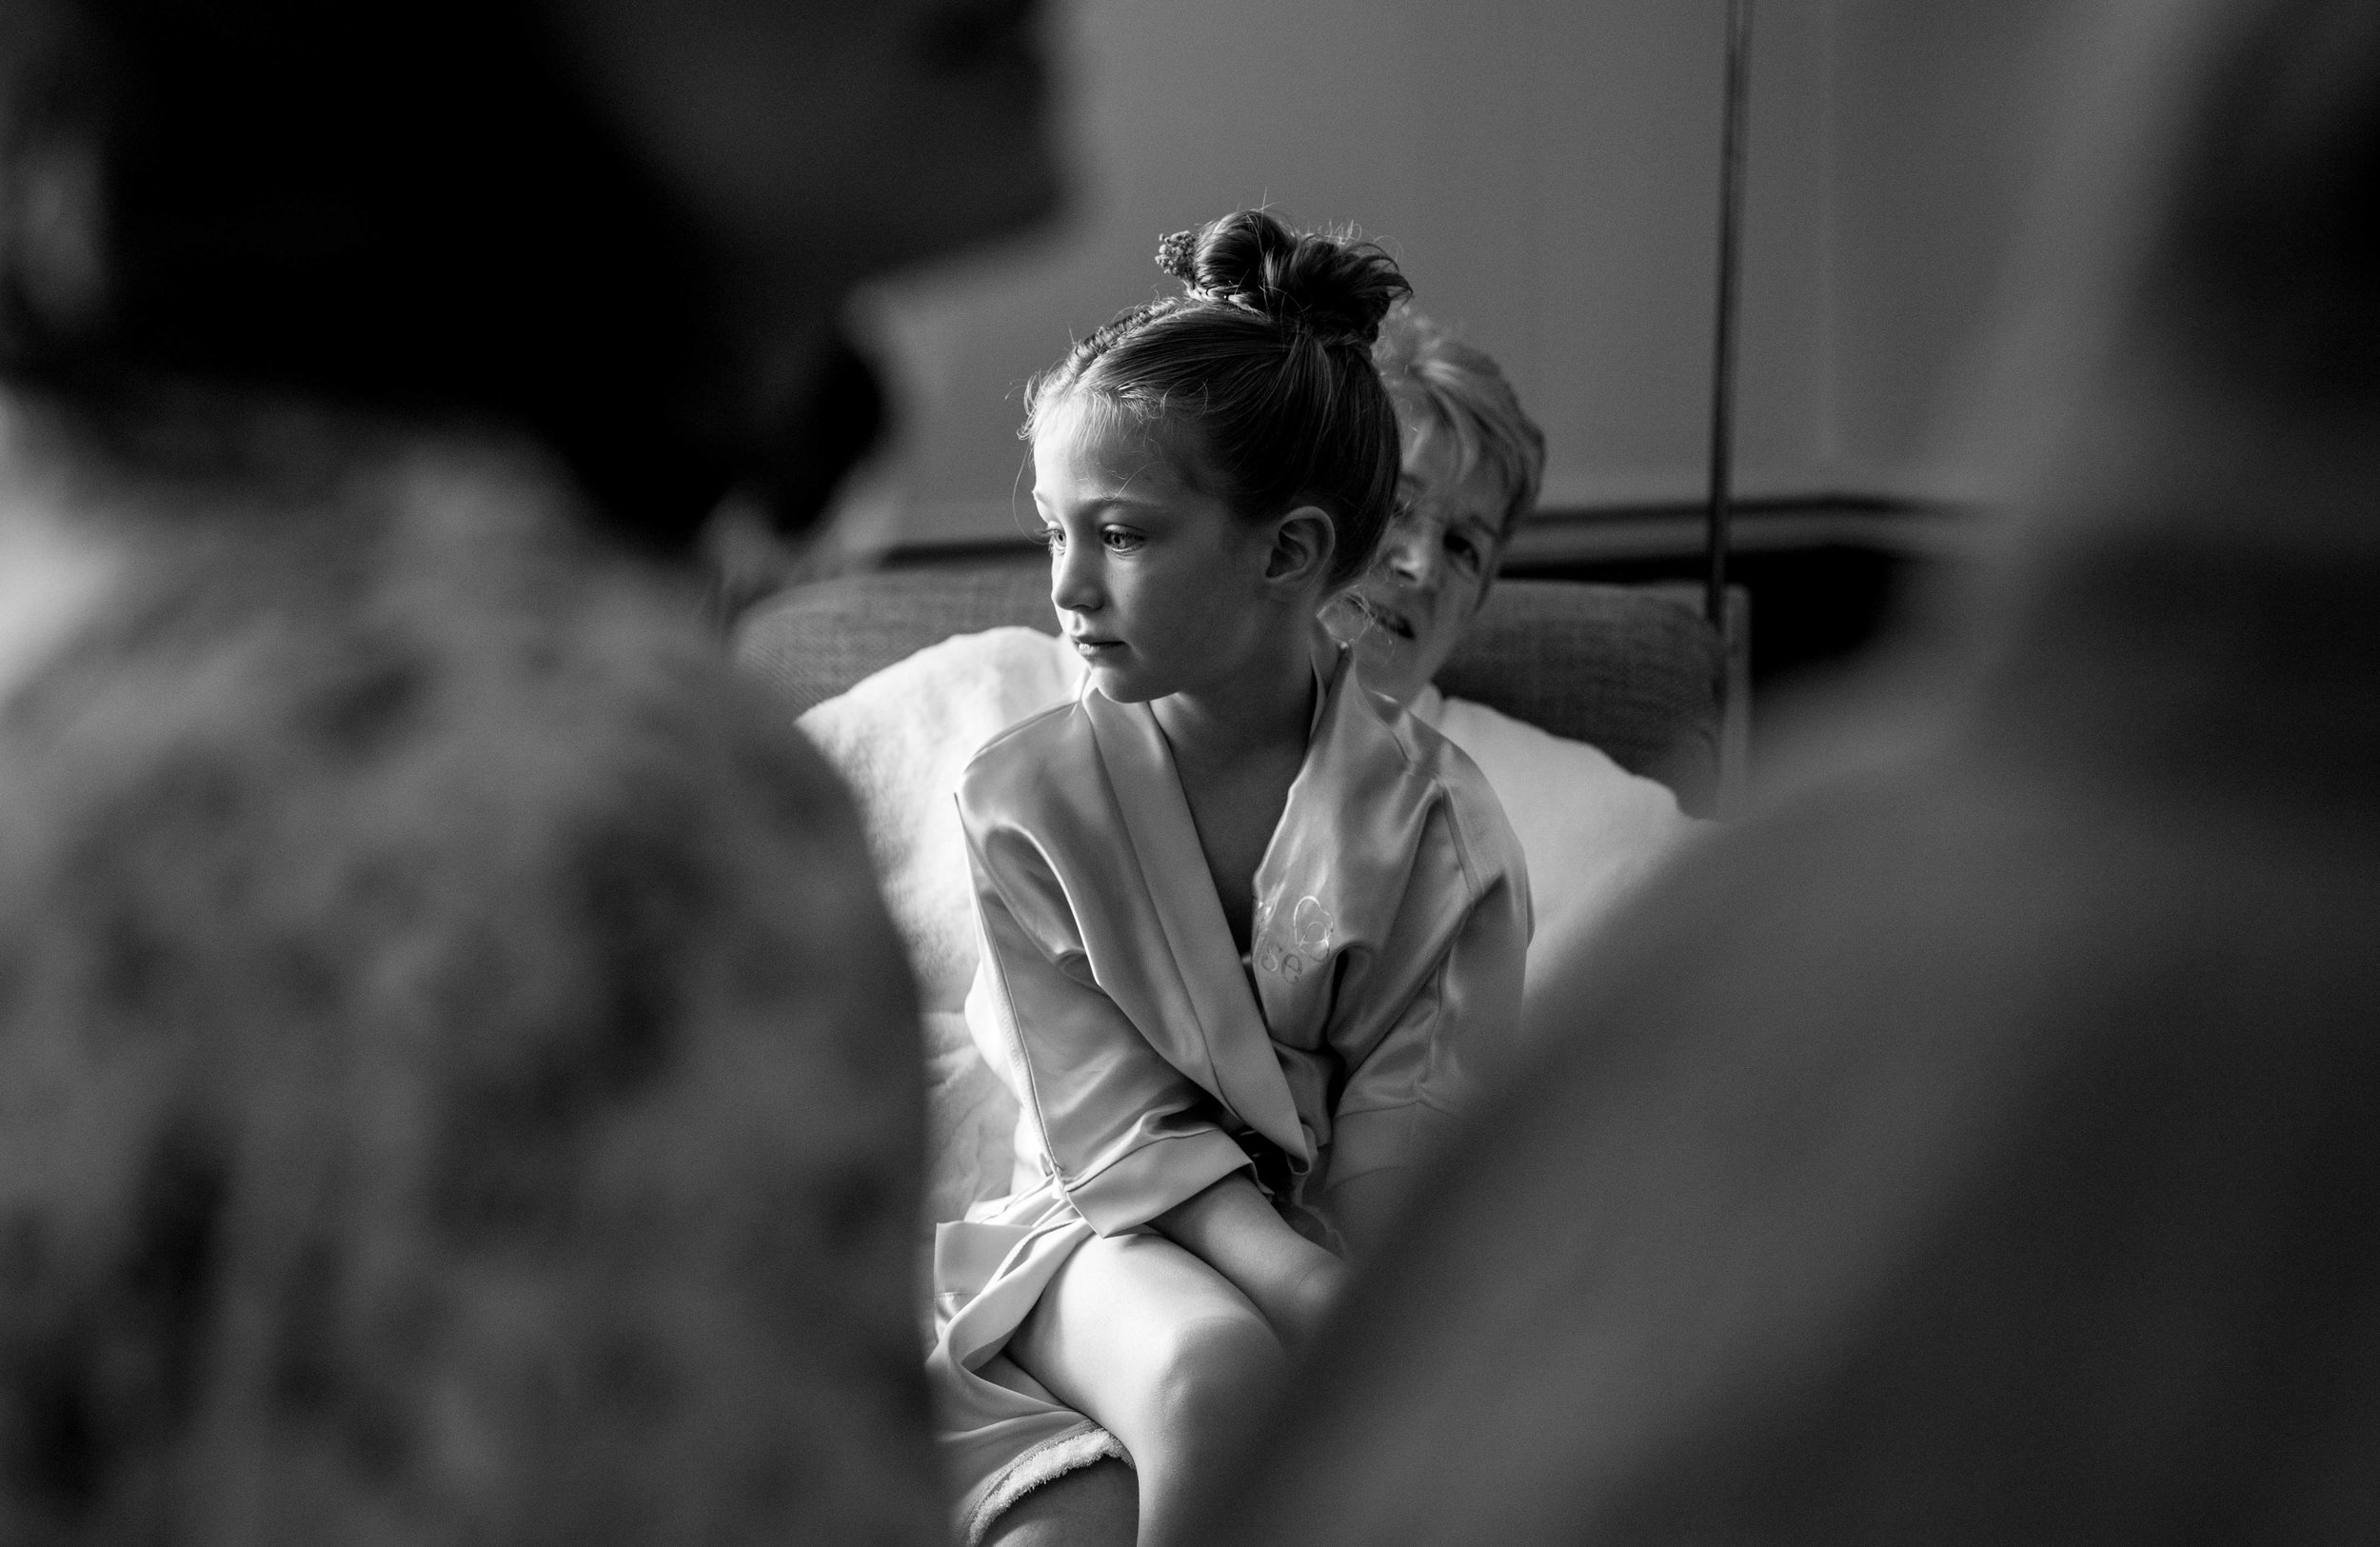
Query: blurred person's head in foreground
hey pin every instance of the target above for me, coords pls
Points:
(456, 1080)
(622, 228)
(1975, 1145)
(1470, 466)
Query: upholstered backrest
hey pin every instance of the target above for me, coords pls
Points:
(1633, 669)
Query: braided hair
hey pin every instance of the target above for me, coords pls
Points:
(1267, 355)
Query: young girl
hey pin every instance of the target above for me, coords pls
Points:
(1247, 927)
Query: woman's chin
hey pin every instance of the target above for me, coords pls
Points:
(1386, 664)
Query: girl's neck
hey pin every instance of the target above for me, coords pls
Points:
(1265, 709)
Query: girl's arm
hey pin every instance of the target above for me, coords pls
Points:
(1235, 1231)
(1405, 1091)
(1128, 1135)
(1361, 1206)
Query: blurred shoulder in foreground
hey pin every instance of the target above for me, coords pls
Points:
(458, 1079)
(1977, 1146)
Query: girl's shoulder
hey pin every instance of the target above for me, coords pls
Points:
(1440, 774)
(1428, 753)
(1039, 762)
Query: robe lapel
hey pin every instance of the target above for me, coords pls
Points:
(1337, 868)
(1223, 1042)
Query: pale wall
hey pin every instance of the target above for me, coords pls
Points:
(1546, 170)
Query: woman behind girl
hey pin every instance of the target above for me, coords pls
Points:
(1248, 928)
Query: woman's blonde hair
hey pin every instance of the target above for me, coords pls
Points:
(1444, 385)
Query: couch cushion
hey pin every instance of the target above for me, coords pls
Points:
(815, 640)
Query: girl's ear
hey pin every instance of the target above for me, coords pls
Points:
(1303, 541)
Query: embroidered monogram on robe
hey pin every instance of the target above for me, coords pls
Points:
(1391, 920)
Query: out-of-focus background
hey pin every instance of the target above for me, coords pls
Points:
(1547, 171)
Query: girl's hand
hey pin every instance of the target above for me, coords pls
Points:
(1232, 1228)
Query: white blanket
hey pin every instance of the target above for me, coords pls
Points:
(1591, 830)
(899, 738)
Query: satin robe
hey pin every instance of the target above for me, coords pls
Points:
(1391, 925)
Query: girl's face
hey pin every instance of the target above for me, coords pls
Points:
(1157, 583)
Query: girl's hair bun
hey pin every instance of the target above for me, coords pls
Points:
(1336, 286)
(1268, 357)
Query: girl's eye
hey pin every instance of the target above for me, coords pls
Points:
(1054, 539)
(1465, 552)
(1119, 541)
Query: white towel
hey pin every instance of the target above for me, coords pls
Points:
(1590, 829)
(900, 740)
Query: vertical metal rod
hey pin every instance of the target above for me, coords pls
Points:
(1723, 344)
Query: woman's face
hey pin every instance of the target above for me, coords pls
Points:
(1406, 617)
(1158, 585)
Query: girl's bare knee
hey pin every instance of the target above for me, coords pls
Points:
(1214, 1368)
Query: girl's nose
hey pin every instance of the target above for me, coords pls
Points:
(1074, 578)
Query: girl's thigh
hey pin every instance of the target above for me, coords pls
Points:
(1114, 1329)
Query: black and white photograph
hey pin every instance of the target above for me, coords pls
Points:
(1189, 773)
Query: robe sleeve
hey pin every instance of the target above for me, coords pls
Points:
(1464, 1014)
(1127, 1135)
